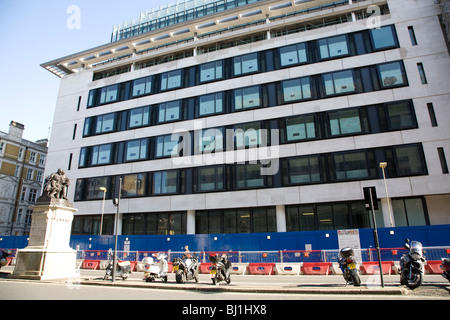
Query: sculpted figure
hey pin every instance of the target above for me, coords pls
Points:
(56, 185)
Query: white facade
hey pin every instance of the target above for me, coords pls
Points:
(431, 51)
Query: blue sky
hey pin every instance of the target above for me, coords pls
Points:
(34, 32)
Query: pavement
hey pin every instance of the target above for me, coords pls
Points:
(285, 284)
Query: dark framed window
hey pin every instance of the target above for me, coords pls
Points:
(209, 179)
(105, 123)
(246, 64)
(443, 160)
(102, 154)
(139, 117)
(339, 82)
(293, 55)
(410, 160)
(333, 47)
(210, 104)
(170, 223)
(296, 89)
(300, 128)
(344, 122)
(166, 182)
(211, 71)
(249, 176)
(209, 140)
(410, 212)
(142, 86)
(134, 185)
(136, 150)
(166, 146)
(170, 111)
(248, 135)
(351, 165)
(391, 74)
(247, 98)
(302, 170)
(400, 115)
(383, 38)
(172, 80)
(109, 94)
(92, 187)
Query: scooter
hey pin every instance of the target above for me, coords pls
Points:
(156, 270)
(123, 268)
(348, 265)
(446, 267)
(220, 268)
(412, 265)
(186, 268)
(3, 257)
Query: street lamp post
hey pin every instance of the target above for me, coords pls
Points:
(103, 208)
(383, 165)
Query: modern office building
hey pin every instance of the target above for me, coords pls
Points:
(22, 165)
(247, 116)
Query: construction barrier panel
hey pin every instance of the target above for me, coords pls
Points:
(90, 264)
(261, 268)
(316, 268)
(288, 268)
(373, 267)
(433, 266)
(205, 267)
(239, 268)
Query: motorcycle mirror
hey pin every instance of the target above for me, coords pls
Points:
(406, 240)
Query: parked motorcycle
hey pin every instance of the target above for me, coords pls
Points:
(220, 268)
(123, 268)
(348, 265)
(186, 268)
(446, 267)
(412, 265)
(3, 257)
(156, 270)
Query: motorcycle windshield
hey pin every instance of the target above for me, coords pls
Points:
(416, 247)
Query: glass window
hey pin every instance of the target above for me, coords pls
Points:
(210, 104)
(325, 216)
(229, 221)
(142, 86)
(93, 185)
(171, 80)
(249, 135)
(333, 47)
(339, 82)
(102, 154)
(109, 94)
(88, 123)
(400, 115)
(351, 165)
(169, 111)
(165, 182)
(294, 54)
(301, 170)
(211, 71)
(383, 38)
(243, 221)
(410, 160)
(84, 154)
(408, 212)
(105, 123)
(247, 98)
(245, 64)
(296, 89)
(134, 185)
(300, 128)
(210, 178)
(139, 117)
(136, 150)
(209, 140)
(391, 74)
(167, 145)
(249, 176)
(344, 122)
(91, 98)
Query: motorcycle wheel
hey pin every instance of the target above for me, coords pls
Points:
(196, 277)
(214, 282)
(228, 280)
(356, 280)
(416, 282)
(165, 279)
(125, 276)
(179, 276)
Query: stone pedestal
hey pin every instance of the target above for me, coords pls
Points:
(48, 255)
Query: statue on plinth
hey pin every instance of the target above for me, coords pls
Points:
(55, 187)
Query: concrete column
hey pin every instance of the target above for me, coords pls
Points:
(281, 218)
(190, 222)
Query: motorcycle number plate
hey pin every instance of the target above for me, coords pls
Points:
(213, 272)
(175, 268)
(352, 265)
